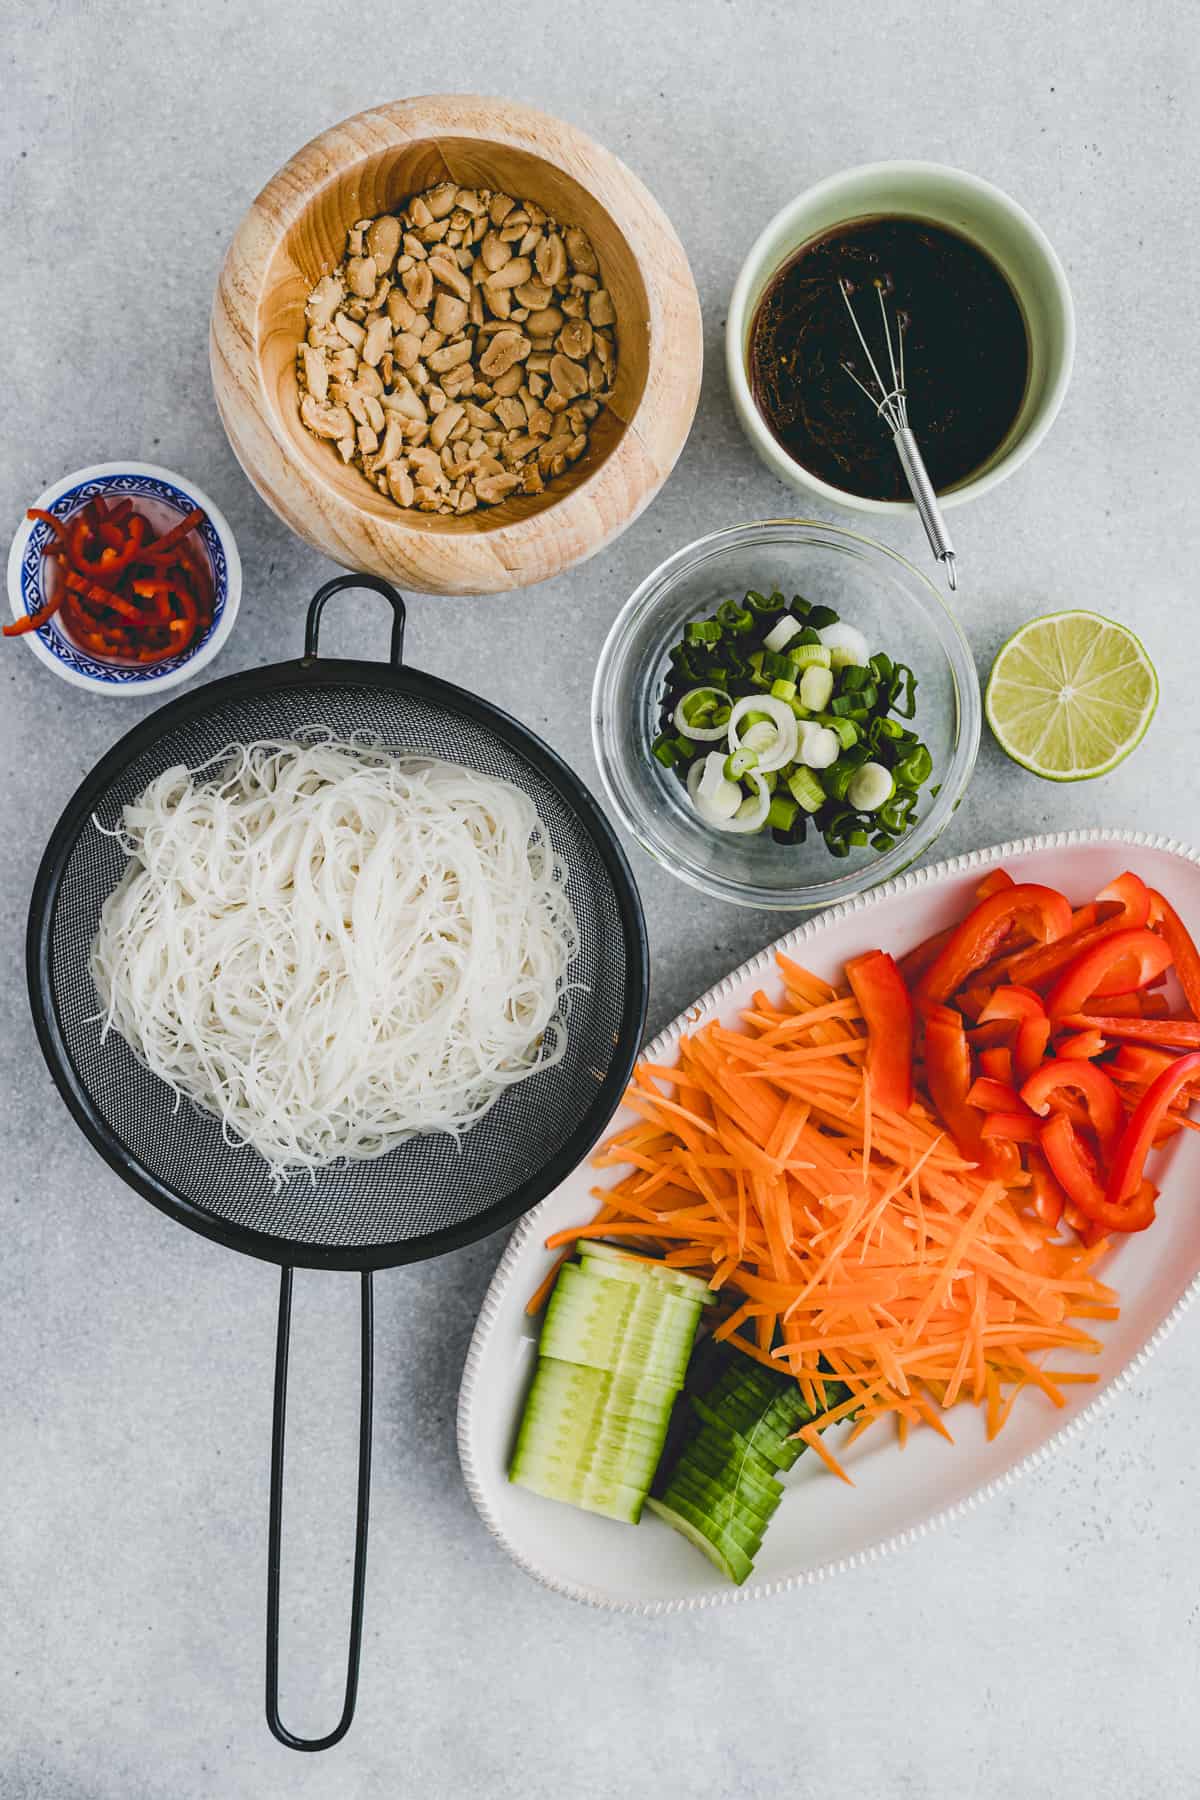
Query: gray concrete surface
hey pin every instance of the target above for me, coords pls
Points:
(1046, 1646)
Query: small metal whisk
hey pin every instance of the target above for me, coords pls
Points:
(890, 400)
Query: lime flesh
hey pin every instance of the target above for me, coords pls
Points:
(1070, 695)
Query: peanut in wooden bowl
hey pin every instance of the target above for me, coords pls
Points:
(295, 232)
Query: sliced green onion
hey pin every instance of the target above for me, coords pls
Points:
(816, 686)
(821, 616)
(872, 786)
(740, 762)
(783, 690)
(781, 635)
(909, 708)
(845, 730)
(915, 768)
(881, 841)
(801, 711)
(697, 714)
(854, 678)
(665, 751)
(781, 814)
(735, 618)
(760, 603)
(809, 656)
(806, 790)
(702, 631)
(776, 667)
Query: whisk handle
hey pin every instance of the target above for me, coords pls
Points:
(926, 501)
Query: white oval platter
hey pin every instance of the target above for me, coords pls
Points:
(823, 1526)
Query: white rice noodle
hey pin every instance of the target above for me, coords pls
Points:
(333, 948)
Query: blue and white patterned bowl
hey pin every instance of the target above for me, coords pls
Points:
(169, 496)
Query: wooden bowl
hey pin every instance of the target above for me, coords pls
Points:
(295, 232)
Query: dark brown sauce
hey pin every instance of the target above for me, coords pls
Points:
(966, 354)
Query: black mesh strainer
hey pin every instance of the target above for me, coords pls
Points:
(430, 1194)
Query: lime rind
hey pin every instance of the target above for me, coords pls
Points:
(1113, 699)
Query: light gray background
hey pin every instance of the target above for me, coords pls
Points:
(1046, 1646)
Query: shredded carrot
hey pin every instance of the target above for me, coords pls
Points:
(847, 1242)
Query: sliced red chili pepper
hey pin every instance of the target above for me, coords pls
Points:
(1043, 1092)
(156, 596)
(113, 562)
(948, 1075)
(1074, 1168)
(1128, 1164)
(1042, 909)
(1033, 1026)
(160, 546)
(1123, 963)
(1048, 1197)
(1183, 949)
(887, 1008)
(1130, 892)
(62, 534)
(120, 512)
(35, 620)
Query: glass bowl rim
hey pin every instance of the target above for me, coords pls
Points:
(909, 849)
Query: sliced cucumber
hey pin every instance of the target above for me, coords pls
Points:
(599, 1461)
(621, 1264)
(576, 1387)
(728, 1556)
(613, 1499)
(771, 1452)
(724, 1461)
(722, 1510)
(625, 1327)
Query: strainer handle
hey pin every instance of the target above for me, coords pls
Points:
(316, 606)
(366, 1380)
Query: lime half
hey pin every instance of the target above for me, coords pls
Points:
(1070, 695)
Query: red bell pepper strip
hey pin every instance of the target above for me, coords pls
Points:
(1029, 968)
(1141, 1063)
(1123, 963)
(985, 928)
(1170, 1034)
(1042, 1094)
(1048, 1197)
(990, 1095)
(1009, 1128)
(35, 620)
(915, 962)
(1086, 1044)
(948, 1077)
(1183, 950)
(156, 550)
(998, 1063)
(1131, 894)
(1126, 1173)
(995, 883)
(887, 1009)
(62, 535)
(1033, 1027)
(1074, 1168)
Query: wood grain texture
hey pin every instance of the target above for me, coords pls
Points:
(295, 232)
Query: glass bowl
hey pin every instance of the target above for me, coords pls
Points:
(868, 585)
